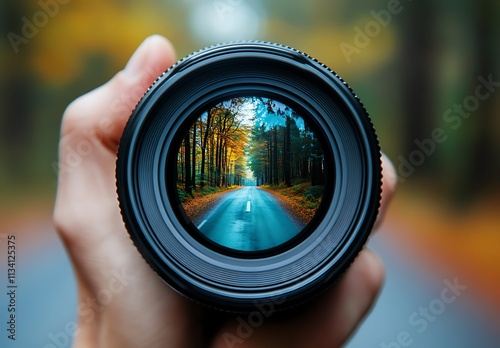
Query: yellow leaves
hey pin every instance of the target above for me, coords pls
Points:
(302, 205)
(113, 29)
(94, 28)
(323, 41)
(196, 207)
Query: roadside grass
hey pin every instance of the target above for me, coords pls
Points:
(202, 199)
(302, 199)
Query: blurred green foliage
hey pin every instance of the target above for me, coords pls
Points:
(409, 61)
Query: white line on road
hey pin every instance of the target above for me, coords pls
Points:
(202, 223)
(248, 205)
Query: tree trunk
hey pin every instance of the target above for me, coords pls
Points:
(419, 47)
(480, 171)
(203, 179)
(187, 165)
(287, 153)
(16, 131)
(275, 156)
(193, 161)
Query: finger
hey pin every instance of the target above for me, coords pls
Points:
(339, 314)
(103, 112)
(91, 129)
(389, 181)
(326, 322)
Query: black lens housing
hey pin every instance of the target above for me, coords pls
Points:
(230, 280)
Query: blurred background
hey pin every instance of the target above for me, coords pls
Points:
(427, 72)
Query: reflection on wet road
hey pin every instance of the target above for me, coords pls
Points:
(248, 219)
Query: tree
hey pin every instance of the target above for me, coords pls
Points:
(282, 147)
(418, 80)
(188, 186)
(216, 141)
(17, 128)
(287, 159)
(203, 179)
(193, 159)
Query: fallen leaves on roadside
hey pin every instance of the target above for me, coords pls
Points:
(302, 200)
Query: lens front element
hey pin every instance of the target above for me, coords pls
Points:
(250, 173)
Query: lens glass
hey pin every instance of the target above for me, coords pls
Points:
(250, 173)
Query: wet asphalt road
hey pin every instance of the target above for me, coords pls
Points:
(248, 219)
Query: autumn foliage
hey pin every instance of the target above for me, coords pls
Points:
(302, 200)
(249, 141)
(201, 201)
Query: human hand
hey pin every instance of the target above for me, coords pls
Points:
(122, 302)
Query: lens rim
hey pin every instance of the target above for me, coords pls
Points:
(231, 282)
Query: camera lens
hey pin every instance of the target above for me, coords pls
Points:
(249, 173)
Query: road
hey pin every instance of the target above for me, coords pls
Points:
(248, 219)
(48, 301)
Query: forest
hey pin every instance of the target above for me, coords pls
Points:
(249, 141)
(425, 69)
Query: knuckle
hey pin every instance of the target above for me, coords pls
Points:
(61, 221)
(68, 221)
(75, 117)
(87, 112)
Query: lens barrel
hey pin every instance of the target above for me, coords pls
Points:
(274, 116)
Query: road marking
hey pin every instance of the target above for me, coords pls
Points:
(202, 223)
(248, 205)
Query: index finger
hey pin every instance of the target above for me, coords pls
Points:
(102, 113)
